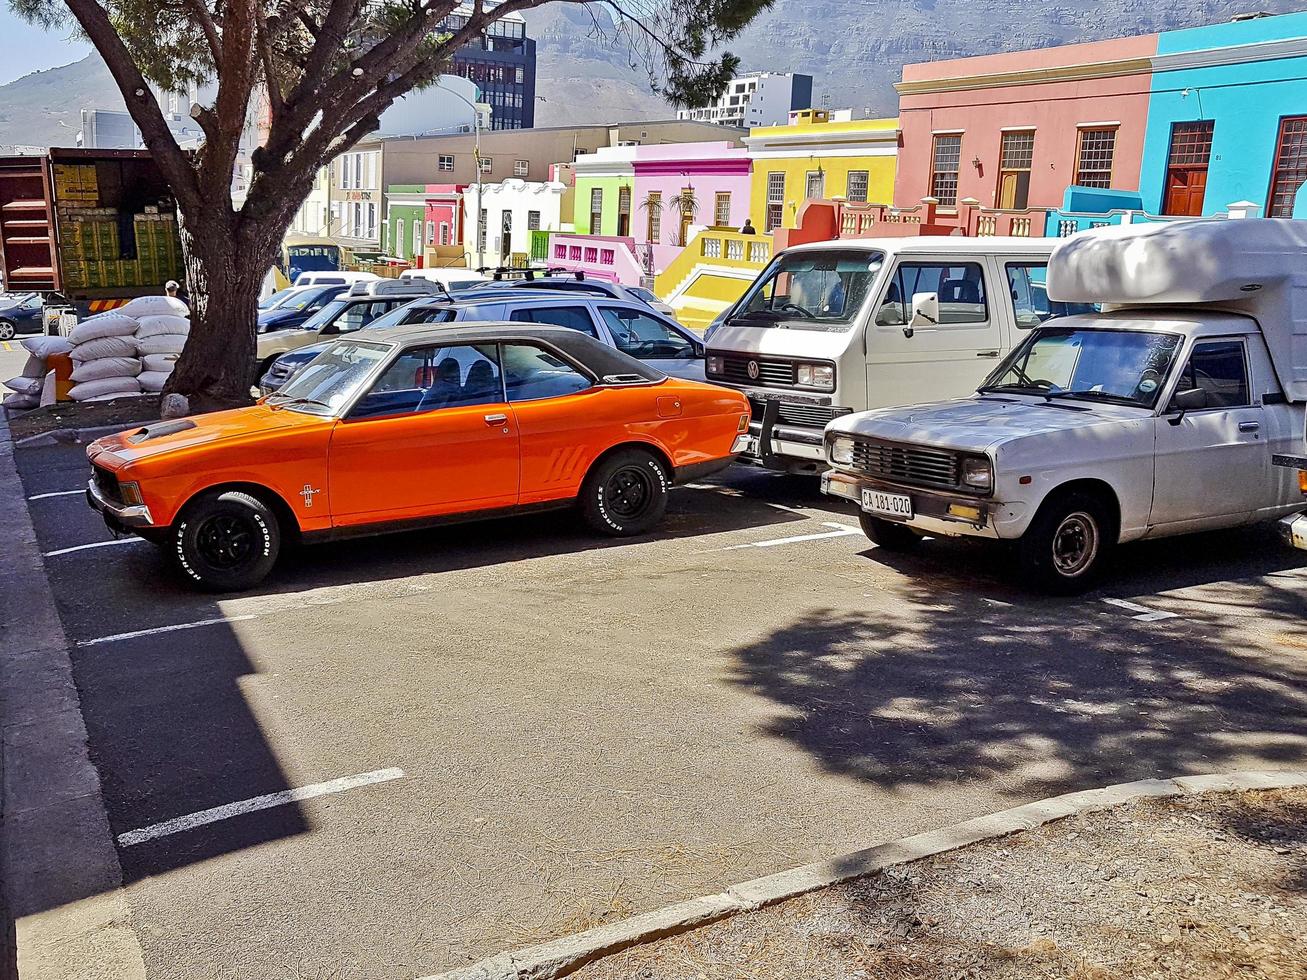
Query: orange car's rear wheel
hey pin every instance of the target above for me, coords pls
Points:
(625, 493)
(226, 541)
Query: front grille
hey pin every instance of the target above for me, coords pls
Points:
(908, 464)
(106, 481)
(771, 371)
(799, 413)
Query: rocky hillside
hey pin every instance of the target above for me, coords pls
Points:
(854, 49)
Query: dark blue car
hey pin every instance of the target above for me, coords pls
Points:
(296, 308)
(19, 313)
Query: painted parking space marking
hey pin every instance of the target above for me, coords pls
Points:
(8, 346)
(136, 634)
(93, 544)
(1147, 615)
(229, 810)
(840, 531)
(58, 493)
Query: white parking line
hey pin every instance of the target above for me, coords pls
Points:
(164, 629)
(58, 493)
(841, 530)
(93, 544)
(229, 810)
(1149, 615)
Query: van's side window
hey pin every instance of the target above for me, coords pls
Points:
(1026, 282)
(960, 288)
(1218, 368)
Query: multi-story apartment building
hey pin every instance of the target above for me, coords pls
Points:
(759, 98)
(502, 64)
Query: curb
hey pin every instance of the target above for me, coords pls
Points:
(59, 870)
(559, 957)
(58, 437)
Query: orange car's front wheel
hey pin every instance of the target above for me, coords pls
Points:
(226, 541)
(625, 493)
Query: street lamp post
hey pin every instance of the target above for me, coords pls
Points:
(476, 156)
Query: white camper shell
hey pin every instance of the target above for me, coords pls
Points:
(1164, 413)
(1257, 267)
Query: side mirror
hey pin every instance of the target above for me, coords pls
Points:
(1186, 401)
(925, 311)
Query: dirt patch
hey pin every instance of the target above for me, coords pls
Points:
(124, 412)
(1196, 887)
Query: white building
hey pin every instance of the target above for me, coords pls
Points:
(513, 208)
(314, 216)
(758, 98)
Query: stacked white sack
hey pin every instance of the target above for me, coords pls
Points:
(105, 363)
(160, 338)
(28, 388)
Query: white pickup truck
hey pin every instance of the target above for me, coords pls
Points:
(1159, 416)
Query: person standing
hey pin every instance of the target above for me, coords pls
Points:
(748, 228)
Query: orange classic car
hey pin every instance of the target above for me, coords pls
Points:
(421, 425)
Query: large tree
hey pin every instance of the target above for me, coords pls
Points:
(326, 70)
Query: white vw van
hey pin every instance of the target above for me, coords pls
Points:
(832, 328)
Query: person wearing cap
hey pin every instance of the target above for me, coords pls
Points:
(171, 287)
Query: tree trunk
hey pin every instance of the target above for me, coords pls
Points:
(226, 262)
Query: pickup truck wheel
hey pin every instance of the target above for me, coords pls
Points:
(1063, 550)
(887, 534)
(226, 542)
(625, 494)
(7, 330)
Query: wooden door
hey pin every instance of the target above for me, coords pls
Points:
(1185, 188)
(1007, 191)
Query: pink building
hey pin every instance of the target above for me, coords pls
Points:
(714, 175)
(1012, 131)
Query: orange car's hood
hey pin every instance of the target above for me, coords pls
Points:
(200, 430)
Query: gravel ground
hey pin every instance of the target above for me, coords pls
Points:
(1199, 887)
(126, 412)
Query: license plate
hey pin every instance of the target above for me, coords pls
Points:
(897, 505)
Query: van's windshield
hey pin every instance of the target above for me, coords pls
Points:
(811, 290)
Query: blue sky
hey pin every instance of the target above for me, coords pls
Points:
(24, 48)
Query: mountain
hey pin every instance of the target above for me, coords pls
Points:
(45, 107)
(854, 49)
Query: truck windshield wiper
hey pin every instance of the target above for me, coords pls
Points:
(1020, 389)
(1088, 394)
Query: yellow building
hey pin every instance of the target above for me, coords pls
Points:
(813, 157)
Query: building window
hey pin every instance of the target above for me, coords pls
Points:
(417, 237)
(444, 233)
(721, 211)
(1186, 167)
(481, 231)
(775, 201)
(446, 163)
(596, 209)
(624, 210)
(520, 168)
(815, 187)
(859, 181)
(1290, 166)
(1016, 153)
(487, 164)
(944, 159)
(653, 205)
(533, 221)
(431, 233)
(399, 234)
(1094, 157)
(372, 221)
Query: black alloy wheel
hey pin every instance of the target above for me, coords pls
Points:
(225, 541)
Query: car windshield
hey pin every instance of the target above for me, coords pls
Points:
(412, 313)
(325, 315)
(328, 382)
(303, 299)
(811, 290)
(279, 297)
(639, 292)
(1127, 367)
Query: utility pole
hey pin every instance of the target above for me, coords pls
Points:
(476, 156)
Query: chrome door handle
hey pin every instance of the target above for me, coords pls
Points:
(987, 353)
(1249, 426)
(496, 419)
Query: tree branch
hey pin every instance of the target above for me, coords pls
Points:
(200, 12)
(270, 80)
(141, 104)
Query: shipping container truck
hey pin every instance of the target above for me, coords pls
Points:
(89, 229)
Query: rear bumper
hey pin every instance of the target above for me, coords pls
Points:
(121, 518)
(931, 509)
(1294, 530)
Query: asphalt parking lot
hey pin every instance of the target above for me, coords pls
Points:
(551, 730)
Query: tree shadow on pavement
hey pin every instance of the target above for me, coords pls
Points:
(1038, 696)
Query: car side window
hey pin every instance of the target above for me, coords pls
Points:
(1027, 284)
(960, 288)
(531, 373)
(645, 336)
(1220, 369)
(428, 379)
(574, 317)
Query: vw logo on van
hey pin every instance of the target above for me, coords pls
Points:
(752, 370)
